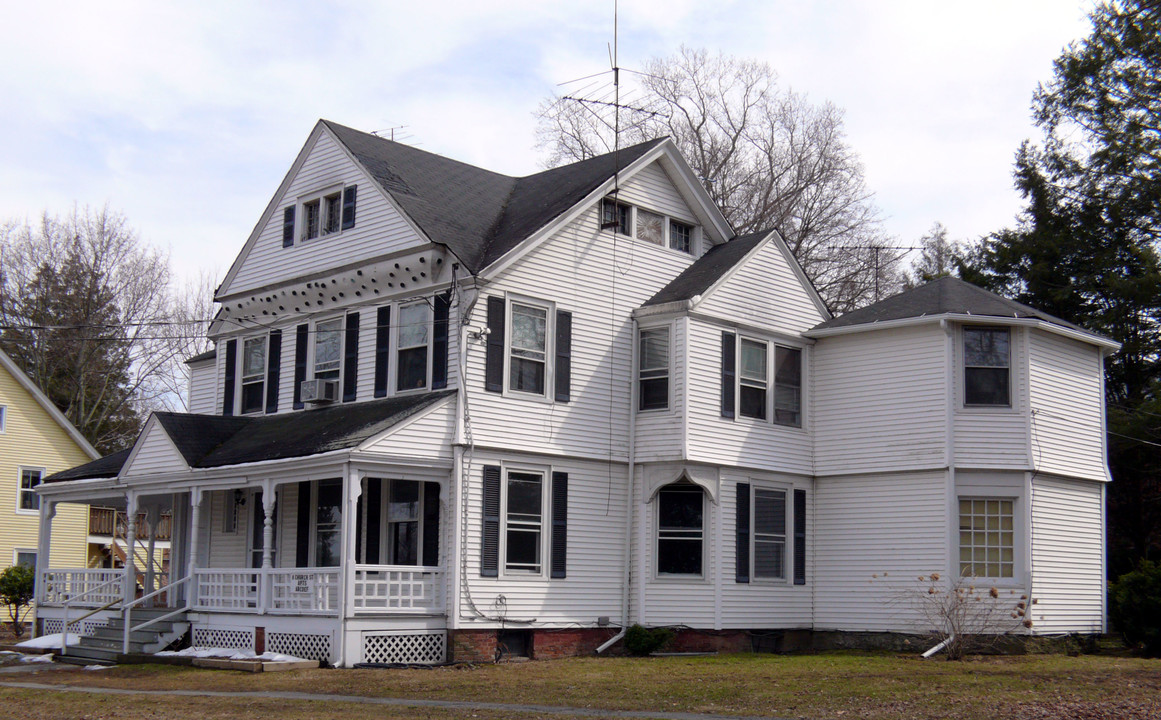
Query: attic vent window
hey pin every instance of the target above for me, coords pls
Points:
(325, 213)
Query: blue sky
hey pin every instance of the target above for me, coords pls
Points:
(186, 117)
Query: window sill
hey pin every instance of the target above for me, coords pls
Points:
(31, 513)
(681, 579)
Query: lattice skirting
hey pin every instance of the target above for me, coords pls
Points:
(222, 638)
(53, 627)
(86, 627)
(90, 626)
(307, 647)
(412, 648)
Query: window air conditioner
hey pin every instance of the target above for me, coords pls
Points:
(319, 391)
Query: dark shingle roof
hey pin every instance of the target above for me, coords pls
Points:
(947, 295)
(105, 467)
(479, 214)
(706, 270)
(206, 441)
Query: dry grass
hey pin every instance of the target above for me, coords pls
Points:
(833, 685)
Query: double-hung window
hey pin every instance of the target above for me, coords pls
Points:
(680, 529)
(322, 216)
(748, 367)
(328, 516)
(524, 522)
(29, 479)
(986, 366)
(653, 369)
(769, 536)
(414, 335)
(987, 541)
(253, 374)
(328, 348)
(752, 383)
(528, 348)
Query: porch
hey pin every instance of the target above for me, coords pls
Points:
(310, 567)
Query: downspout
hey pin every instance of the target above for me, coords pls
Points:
(949, 370)
(626, 574)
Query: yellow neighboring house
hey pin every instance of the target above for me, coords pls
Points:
(36, 440)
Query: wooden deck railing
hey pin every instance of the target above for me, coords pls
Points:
(111, 522)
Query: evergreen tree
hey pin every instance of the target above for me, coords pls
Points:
(1086, 245)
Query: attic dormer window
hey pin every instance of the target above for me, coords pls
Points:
(652, 227)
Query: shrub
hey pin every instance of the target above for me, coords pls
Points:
(641, 641)
(1135, 607)
(17, 586)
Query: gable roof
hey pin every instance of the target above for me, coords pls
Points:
(699, 277)
(47, 405)
(479, 214)
(208, 441)
(946, 296)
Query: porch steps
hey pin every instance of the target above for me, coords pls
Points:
(104, 646)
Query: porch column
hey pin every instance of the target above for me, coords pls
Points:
(268, 502)
(130, 580)
(43, 546)
(151, 518)
(195, 511)
(353, 488)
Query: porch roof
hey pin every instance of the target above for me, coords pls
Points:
(207, 441)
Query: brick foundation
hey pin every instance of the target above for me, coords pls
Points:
(480, 645)
(726, 641)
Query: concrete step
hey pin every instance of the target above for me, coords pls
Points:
(83, 655)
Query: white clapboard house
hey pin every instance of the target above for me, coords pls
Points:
(450, 409)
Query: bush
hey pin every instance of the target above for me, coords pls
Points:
(17, 586)
(1135, 607)
(641, 641)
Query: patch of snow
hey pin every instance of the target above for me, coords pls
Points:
(48, 642)
(229, 654)
(36, 659)
(97, 667)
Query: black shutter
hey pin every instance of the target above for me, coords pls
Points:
(559, 525)
(563, 355)
(228, 383)
(382, 350)
(729, 348)
(349, 206)
(494, 363)
(300, 341)
(742, 529)
(430, 524)
(351, 358)
(302, 534)
(273, 370)
(439, 342)
(288, 227)
(490, 542)
(374, 498)
(799, 537)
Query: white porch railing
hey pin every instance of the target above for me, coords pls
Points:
(298, 591)
(397, 588)
(233, 590)
(61, 586)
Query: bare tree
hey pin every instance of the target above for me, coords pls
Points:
(85, 308)
(768, 157)
(191, 308)
(937, 257)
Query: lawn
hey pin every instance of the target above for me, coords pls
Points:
(824, 686)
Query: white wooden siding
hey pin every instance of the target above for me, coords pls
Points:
(880, 401)
(1068, 569)
(1066, 398)
(994, 437)
(379, 228)
(651, 188)
(429, 436)
(659, 432)
(893, 526)
(764, 291)
(601, 279)
(596, 531)
(202, 388)
(743, 442)
(156, 454)
(763, 604)
(226, 550)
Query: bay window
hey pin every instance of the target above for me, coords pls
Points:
(653, 369)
